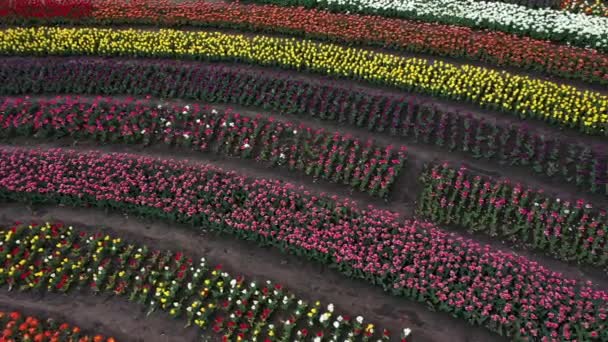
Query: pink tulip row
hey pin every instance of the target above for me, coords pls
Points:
(315, 152)
(570, 230)
(508, 294)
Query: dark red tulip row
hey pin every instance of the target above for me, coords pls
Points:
(496, 48)
(41, 9)
(506, 293)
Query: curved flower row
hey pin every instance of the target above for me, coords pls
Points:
(576, 28)
(569, 231)
(17, 327)
(446, 40)
(410, 117)
(315, 152)
(56, 258)
(524, 96)
(506, 293)
(591, 7)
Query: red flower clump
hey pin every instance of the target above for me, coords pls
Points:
(16, 327)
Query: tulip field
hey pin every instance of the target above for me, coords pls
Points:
(304, 170)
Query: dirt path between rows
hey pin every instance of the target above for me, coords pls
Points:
(307, 280)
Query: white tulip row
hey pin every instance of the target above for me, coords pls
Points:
(576, 28)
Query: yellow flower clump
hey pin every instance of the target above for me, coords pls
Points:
(528, 97)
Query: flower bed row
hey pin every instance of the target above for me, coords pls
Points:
(527, 97)
(411, 117)
(338, 158)
(506, 293)
(446, 40)
(569, 231)
(73, 9)
(56, 258)
(18, 327)
(575, 28)
(591, 7)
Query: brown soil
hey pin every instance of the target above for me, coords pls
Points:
(307, 280)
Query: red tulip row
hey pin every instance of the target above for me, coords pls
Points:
(315, 152)
(569, 231)
(17, 327)
(496, 48)
(40, 9)
(506, 293)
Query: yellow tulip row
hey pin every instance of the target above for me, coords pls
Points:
(527, 97)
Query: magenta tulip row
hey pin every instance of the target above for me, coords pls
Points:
(334, 157)
(569, 230)
(506, 293)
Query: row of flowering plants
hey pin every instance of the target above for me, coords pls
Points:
(334, 157)
(409, 117)
(575, 28)
(493, 47)
(570, 231)
(57, 258)
(508, 294)
(71, 9)
(16, 327)
(523, 96)
(590, 7)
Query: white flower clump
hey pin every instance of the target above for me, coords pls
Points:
(535, 22)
